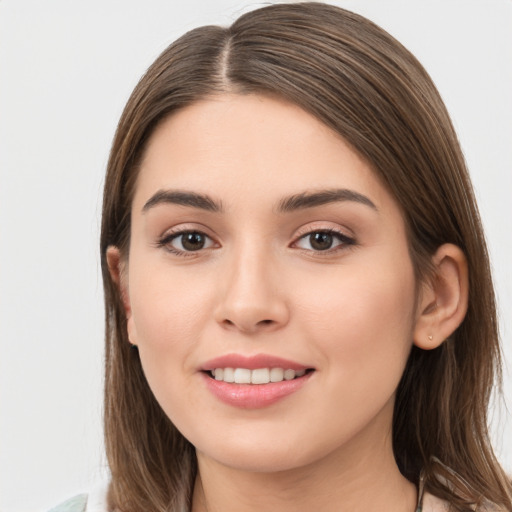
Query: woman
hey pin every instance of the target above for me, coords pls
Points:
(299, 307)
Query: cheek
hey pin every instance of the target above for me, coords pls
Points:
(166, 306)
(363, 315)
(169, 314)
(360, 325)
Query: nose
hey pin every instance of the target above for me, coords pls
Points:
(252, 297)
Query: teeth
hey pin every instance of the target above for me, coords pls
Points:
(289, 374)
(258, 376)
(229, 375)
(242, 376)
(276, 375)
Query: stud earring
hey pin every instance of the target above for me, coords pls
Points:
(430, 337)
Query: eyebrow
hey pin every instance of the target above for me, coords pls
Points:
(289, 204)
(183, 198)
(312, 199)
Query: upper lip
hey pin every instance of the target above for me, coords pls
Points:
(251, 362)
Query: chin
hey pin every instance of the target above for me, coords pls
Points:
(257, 463)
(268, 456)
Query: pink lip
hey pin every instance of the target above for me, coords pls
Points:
(251, 362)
(253, 396)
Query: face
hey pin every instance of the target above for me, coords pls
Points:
(264, 249)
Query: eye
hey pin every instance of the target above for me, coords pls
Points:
(323, 240)
(186, 241)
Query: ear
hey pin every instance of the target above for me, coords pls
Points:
(444, 299)
(118, 273)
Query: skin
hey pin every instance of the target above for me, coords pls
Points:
(259, 286)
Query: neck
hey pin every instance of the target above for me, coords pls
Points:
(361, 477)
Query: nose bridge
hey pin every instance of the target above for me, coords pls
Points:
(252, 298)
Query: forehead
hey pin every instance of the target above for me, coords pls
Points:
(240, 147)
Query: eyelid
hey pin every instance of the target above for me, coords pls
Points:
(346, 240)
(171, 234)
(186, 227)
(312, 227)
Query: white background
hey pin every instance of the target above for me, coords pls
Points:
(66, 70)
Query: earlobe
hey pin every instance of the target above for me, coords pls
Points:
(444, 300)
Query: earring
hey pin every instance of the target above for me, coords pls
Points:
(430, 337)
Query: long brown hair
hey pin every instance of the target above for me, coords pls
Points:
(362, 83)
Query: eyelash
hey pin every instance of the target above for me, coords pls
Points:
(165, 242)
(344, 241)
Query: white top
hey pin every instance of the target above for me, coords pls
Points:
(97, 499)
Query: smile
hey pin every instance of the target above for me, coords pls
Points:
(253, 381)
(257, 376)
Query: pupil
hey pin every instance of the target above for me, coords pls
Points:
(193, 241)
(321, 241)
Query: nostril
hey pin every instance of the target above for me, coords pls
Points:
(265, 325)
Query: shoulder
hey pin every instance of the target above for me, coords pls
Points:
(75, 504)
(432, 503)
(95, 501)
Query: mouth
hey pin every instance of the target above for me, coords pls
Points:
(257, 376)
(254, 382)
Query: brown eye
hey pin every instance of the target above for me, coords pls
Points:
(193, 241)
(324, 240)
(186, 241)
(321, 241)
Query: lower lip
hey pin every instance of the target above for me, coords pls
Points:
(254, 396)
